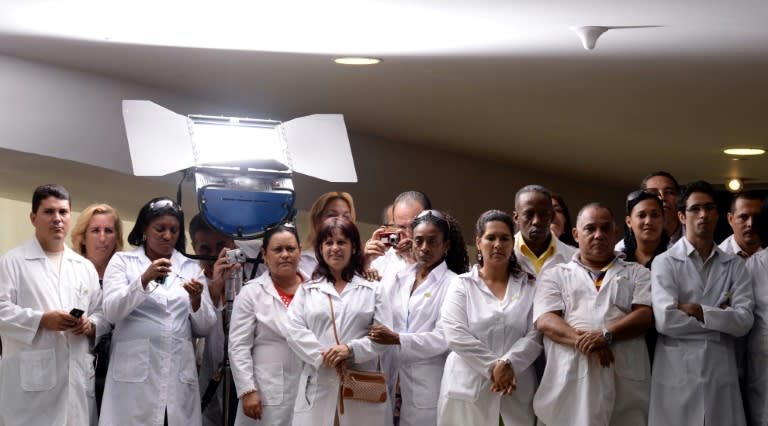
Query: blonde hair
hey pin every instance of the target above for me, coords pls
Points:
(78, 232)
(316, 212)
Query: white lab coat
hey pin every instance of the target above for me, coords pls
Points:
(694, 378)
(211, 354)
(757, 346)
(47, 376)
(152, 361)
(307, 262)
(575, 389)
(481, 329)
(259, 353)
(420, 358)
(563, 254)
(357, 308)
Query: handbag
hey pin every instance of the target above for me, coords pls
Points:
(367, 386)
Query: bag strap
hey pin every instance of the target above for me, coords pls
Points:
(333, 320)
(341, 378)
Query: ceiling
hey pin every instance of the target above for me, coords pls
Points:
(505, 81)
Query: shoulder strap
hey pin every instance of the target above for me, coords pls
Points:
(333, 320)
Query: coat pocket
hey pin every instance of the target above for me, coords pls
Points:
(188, 366)
(269, 378)
(37, 370)
(424, 379)
(305, 399)
(130, 361)
(463, 382)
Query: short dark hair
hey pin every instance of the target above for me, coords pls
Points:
(457, 259)
(154, 208)
(595, 205)
(198, 224)
(662, 174)
(745, 195)
(49, 190)
(532, 188)
(413, 197)
(350, 231)
(695, 186)
(498, 216)
(283, 227)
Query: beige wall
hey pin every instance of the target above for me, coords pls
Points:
(87, 107)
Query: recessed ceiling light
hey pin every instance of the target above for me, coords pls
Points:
(735, 185)
(744, 151)
(357, 61)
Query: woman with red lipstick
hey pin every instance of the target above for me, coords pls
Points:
(416, 298)
(357, 305)
(153, 297)
(487, 322)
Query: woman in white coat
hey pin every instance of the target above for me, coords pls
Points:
(330, 204)
(153, 296)
(265, 369)
(358, 305)
(416, 299)
(487, 322)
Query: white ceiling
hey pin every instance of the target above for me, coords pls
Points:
(505, 81)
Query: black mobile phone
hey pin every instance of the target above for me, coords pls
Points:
(77, 313)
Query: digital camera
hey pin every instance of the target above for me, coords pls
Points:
(235, 256)
(390, 238)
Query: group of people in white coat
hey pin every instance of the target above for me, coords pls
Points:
(535, 332)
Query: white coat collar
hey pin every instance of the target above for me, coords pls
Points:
(682, 249)
(435, 274)
(326, 286)
(267, 285)
(33, 250)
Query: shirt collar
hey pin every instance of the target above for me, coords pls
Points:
(537, 261)
(690, 249)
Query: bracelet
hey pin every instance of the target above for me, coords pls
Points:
(248, 392)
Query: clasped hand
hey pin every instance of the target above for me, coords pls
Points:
(593, 343)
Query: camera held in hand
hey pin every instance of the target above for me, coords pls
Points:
(390, 238)
(235, 256)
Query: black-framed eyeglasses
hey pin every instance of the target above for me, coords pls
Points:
(165, 203)
(697, 208)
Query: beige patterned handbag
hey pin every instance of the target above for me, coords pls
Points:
(368, 386)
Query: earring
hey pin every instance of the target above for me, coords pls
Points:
(479, 257)
(143, 237)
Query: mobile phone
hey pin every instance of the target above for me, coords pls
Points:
(77, 313)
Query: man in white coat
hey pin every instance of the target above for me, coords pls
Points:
(536, 247)
(593, 313)
(743, 219)
(47, 376)
(757, 347)
(702, 301)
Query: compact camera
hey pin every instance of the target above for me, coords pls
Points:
(235, 256)
(390, 238)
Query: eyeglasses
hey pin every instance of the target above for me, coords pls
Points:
(430, 212)
(696, 208)
(641, 194)
(165, 203)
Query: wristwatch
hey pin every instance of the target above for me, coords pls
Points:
(608, 336)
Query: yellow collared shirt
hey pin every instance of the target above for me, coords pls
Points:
(537, 261)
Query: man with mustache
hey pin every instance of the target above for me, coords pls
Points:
(50, 318)
(536, 248)
(593, 312)
(744, 218)
(702, 301)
